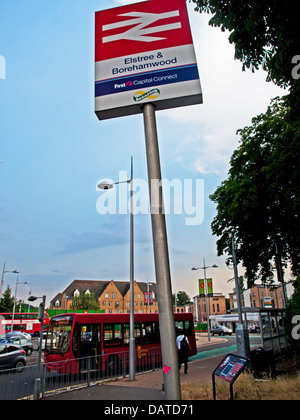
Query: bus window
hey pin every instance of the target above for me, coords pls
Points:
(112, 335)
(59, 335)
(137, 334)
(150, 333)
(183, 325)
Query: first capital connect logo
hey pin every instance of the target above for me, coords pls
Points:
(123, 85)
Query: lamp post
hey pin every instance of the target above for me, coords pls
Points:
(2, 278)
(38, 381)
(14, 307)
(148, 294)
(107, 186)
(205, 267)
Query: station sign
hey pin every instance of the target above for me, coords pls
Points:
(144, 53)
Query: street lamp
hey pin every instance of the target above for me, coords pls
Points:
(41, 314)
(3, 272)
(108, 186)
(148, 294)
(14, 307)
(205, 267)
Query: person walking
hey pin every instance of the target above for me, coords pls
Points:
(183, 347)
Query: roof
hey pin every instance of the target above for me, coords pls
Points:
(98, 286)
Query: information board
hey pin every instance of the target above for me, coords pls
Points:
(229, 370)
(230, 367)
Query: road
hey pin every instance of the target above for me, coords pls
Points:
(228, 345)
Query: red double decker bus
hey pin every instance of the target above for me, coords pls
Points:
(23, 321)
(104, 340)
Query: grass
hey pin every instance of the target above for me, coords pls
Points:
(246, 387)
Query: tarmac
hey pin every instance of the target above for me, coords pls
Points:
(149, 386)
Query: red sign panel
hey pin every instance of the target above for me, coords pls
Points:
(137, 28)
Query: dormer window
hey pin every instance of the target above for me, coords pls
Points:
(76, 293)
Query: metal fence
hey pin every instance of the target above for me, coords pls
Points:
(31, 384)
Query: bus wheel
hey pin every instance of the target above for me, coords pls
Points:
(113, 366)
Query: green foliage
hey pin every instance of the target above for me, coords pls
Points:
(85, 302)
(182, 298)
(7, 301)
(265, 33)
(260, 198)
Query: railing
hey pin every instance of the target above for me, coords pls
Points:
(92, 370)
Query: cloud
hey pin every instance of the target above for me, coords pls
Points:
(231, 98)
(110, 234)
(92, 240)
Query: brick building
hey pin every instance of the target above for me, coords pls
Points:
(217, 306)
(260, 296)
(112, 296)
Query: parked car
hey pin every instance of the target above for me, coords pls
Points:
(12, 357)
(20, 341)
(220, 330)
(15, 333)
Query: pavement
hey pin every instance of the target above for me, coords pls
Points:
(149, 386)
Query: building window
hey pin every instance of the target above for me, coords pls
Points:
(114, 295)
(107, 295)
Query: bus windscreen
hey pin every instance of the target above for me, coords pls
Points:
(59, 334)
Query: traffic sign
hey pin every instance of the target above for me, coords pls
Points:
(144, 53)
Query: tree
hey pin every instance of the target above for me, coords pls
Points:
(260, 198)
(86, 301)
(182, 298)
(265, 33)
(7, 301)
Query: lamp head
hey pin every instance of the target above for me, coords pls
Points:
(105, 186)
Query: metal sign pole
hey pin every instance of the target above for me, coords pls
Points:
(161, 257)
(131, 324)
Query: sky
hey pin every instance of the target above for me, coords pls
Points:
(54, 151)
